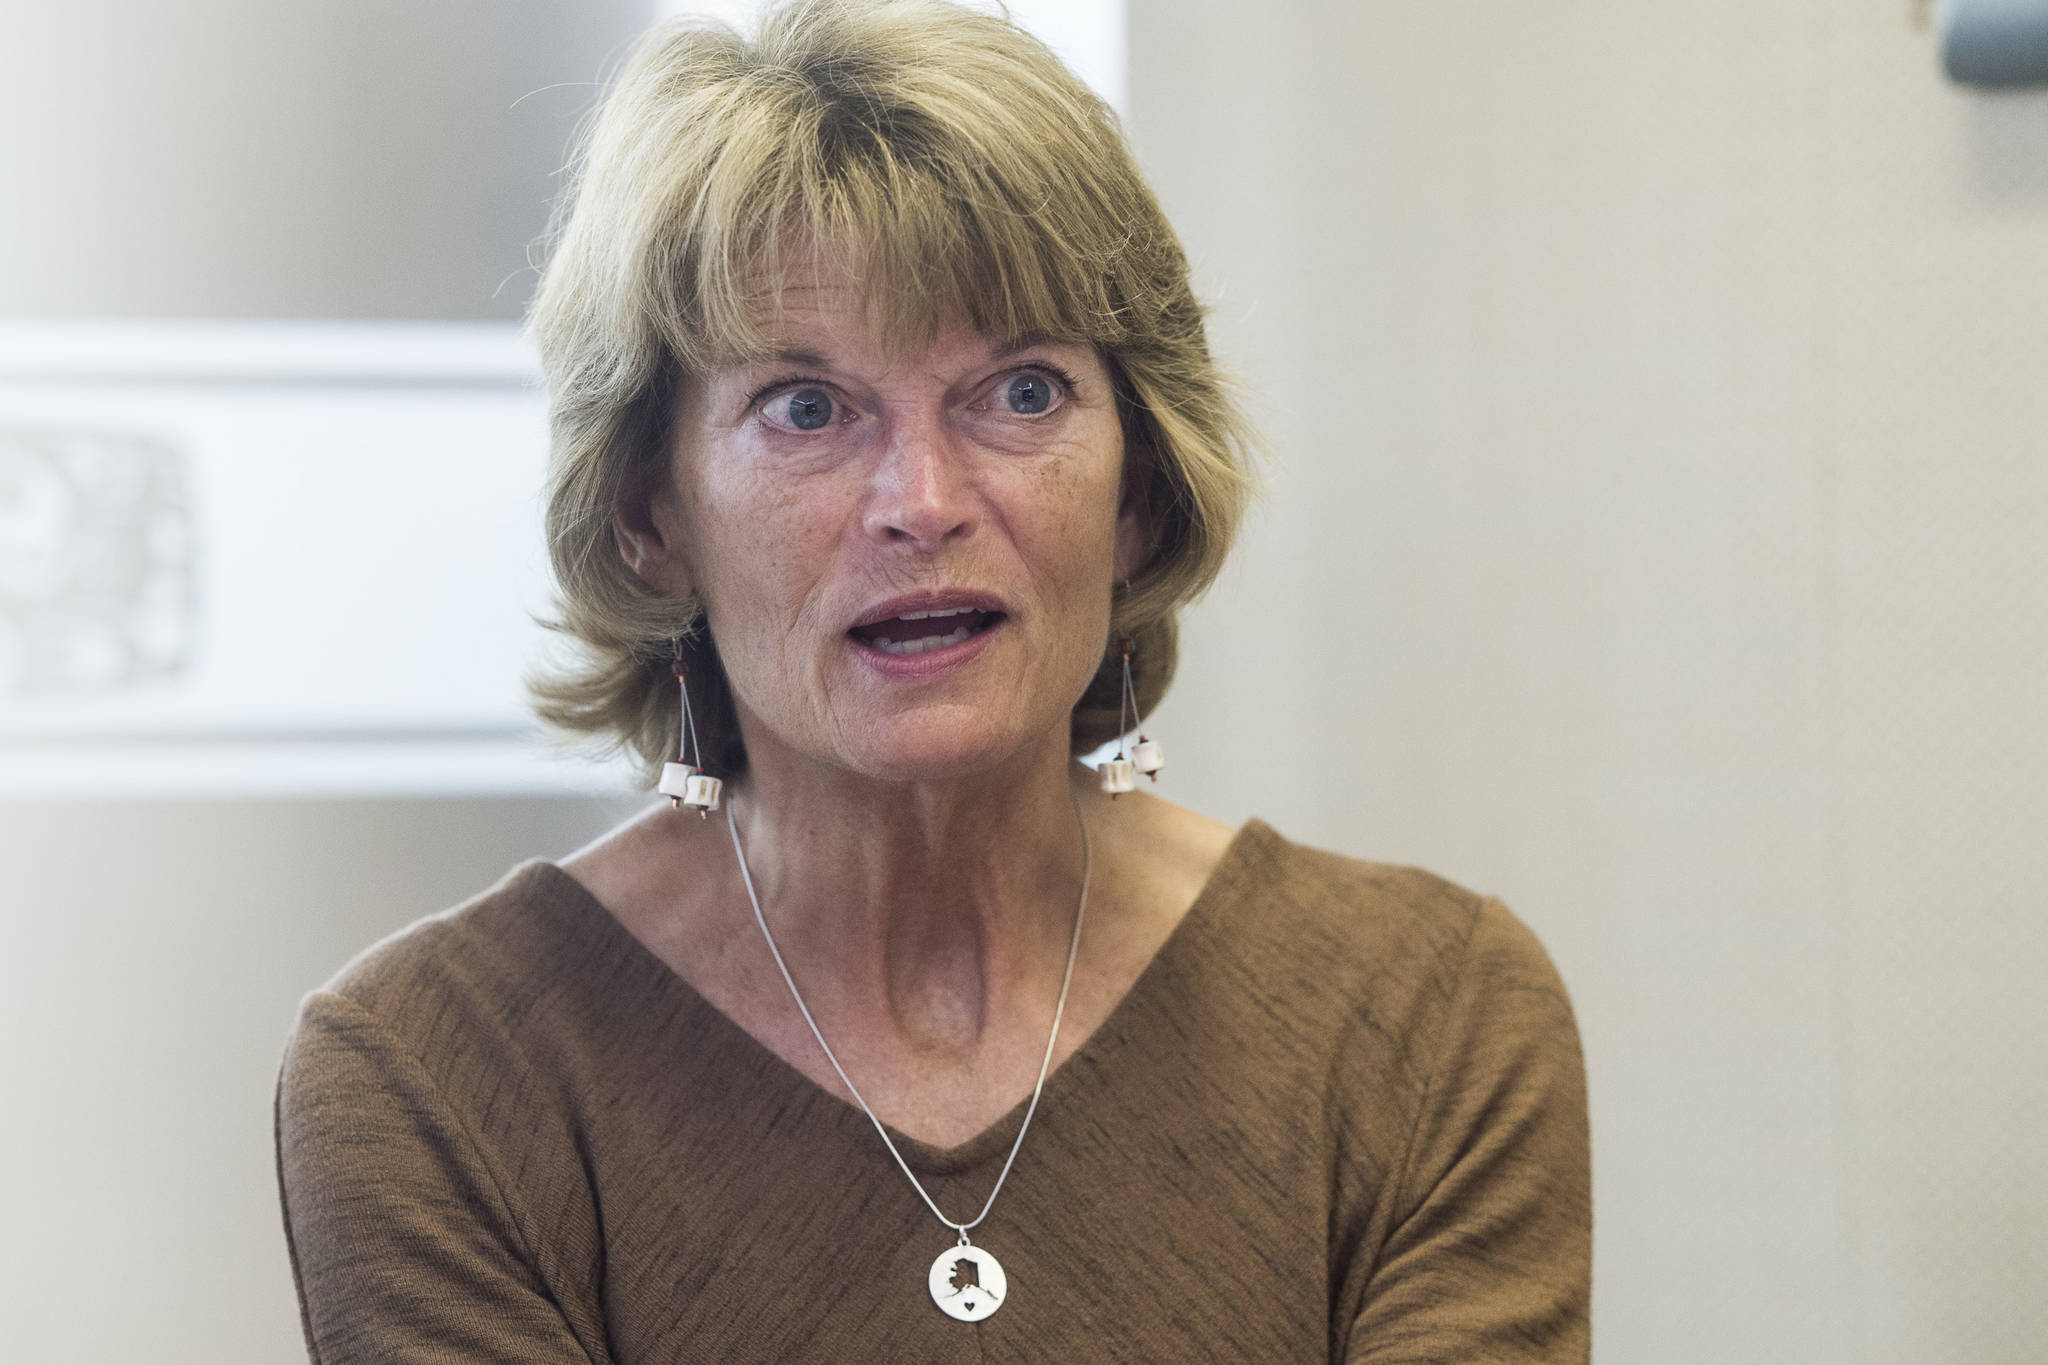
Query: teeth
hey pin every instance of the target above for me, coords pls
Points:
(927, 615)
(928, 642)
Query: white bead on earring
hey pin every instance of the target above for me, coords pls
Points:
(685, 783)
(1120, 774)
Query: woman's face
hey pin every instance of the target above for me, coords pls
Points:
(906, 563)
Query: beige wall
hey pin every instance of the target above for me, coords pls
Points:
(1656, 539)
(287, 158)
(154, 956)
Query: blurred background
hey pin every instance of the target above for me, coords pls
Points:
(1654, 537)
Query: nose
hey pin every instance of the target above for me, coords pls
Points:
(923, 495)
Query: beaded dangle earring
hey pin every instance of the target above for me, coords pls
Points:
(1120, 774)
(685, 783)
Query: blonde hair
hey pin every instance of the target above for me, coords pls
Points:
(951, 160)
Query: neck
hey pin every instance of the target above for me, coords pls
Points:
(939, 911)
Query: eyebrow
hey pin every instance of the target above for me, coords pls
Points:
(1023, 341)
(792, 356)
(815, 360)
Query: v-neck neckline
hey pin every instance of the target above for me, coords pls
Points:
(994, 1140)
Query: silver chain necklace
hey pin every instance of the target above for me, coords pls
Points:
(984, 1287)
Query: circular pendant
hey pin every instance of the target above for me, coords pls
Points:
(967, 1283)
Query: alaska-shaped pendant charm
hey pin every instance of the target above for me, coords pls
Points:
(967, 1283)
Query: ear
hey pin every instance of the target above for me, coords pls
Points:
(648, 535)
(1133, 514)
(1132, 543)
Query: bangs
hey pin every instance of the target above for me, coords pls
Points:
(819, 182)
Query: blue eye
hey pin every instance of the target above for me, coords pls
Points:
(809, 409)
(1029, 394)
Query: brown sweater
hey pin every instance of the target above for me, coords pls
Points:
(1340, 1117)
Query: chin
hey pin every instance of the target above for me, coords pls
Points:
(910, 752)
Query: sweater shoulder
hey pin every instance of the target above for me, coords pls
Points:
(490, 947)
(1352, 913)
(528, 977)
(1352, 943)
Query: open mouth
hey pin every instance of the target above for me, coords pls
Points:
(916, 632)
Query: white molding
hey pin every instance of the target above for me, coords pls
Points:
(355, 559)
(314, 353)
(179, 771)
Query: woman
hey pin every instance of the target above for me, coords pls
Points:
(884, 420)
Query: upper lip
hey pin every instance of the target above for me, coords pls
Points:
(942, 600)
